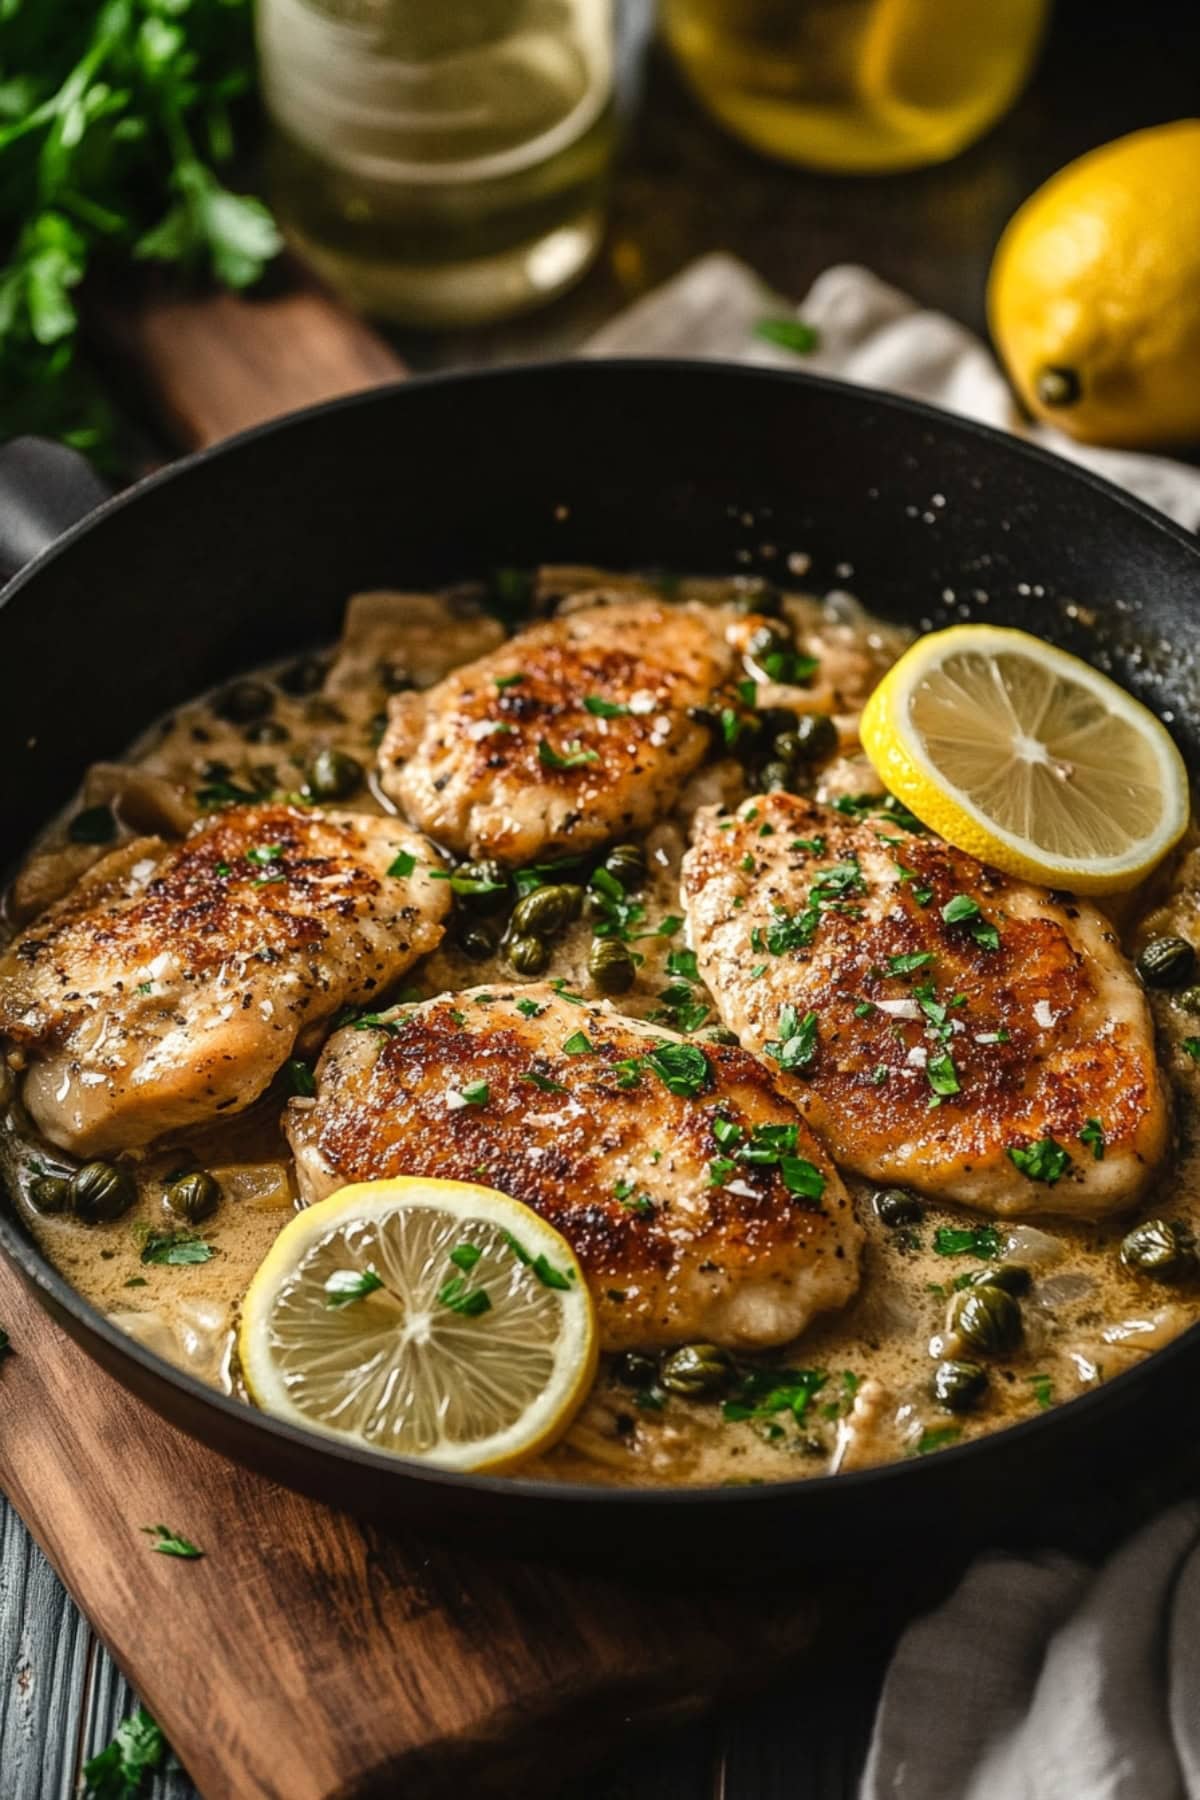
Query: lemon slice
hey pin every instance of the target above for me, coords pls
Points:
(431, 1319)
(1028, 759)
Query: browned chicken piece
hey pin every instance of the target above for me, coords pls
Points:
(938, 1024)
(693, 1194)
(174, 981)
(576, 731)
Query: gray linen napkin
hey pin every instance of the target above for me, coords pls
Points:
(1040, 1678)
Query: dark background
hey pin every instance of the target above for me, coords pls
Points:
(683, 188)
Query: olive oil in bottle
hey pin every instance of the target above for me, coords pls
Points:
(440, 164)
(856, 85)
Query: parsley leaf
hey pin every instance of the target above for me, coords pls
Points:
(403, 863)
(604, 709)
(1044, 1161)
(1191, 1047)
(571, 756)
(169, 1543)
(476, 1093)
(796, 1046)
(300, 1078)
(465, 1256)
(963, 910)
(175, 1247)
(982, 1241)
(937, 1437)
(766, 1391)
(941, 1074)
(120, 1770)
(682, 1068)
(1093, 1136)
(788, 334)
(345, 1286)
(909, 961)
(470, 1302)
(542, 1082)
(578, 1044)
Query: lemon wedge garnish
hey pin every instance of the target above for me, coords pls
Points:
(431, 1319)
(1028, 759)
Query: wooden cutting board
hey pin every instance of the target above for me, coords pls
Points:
(309, 1656)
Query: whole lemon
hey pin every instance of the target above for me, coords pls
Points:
(1094, 292)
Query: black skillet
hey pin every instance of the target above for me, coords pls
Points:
(248, 551)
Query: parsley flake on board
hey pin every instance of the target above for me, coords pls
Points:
(1044, 1161)
(169, 1543)
(345, 1286)
(120, 1771)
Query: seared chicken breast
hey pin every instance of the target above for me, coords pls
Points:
(695, 1197)
(937, 1023)
(576, 731)
(173, 982)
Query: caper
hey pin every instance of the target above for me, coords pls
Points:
(1167, 962)
(102, 1191)
(633, 1370)
(1188, 1000)
(243, 702)
(304, 676)
(696, 1370)
(988, 1318)
(333, 775)
(266, 731)
(626, 863)
(476, 940)
(1160, 1248)
(482, 887)
(611, 966)
(816, 737)
(50, 1193)
(786, 748)
(547, 909)
(775, 719)
(769, 638)
(193, 1197)
(774, 777)
(959, 1385)
(1014, 1278)
(528, 954)
(896, 1206)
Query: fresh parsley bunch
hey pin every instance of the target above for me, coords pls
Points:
(114, 120)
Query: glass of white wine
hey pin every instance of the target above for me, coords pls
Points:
(440, 162)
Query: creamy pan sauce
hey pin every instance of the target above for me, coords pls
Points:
(856, 1390)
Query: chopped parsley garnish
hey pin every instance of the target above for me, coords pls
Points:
(791, 667)
(507, 681)
(748, 691)
(476, 1093)
(578, 1044)
(1044, 1161)
(727, 1133)
(748, 864)
(571, 756)
(628, 1072)
(963, 910)
(345, 1286)
(270, 880)
(802, 1178)
(264, 853)
(641, 1204)
(796, 1046)
(224, 793)
(564, 993)
(465, 1256)
(837, 1409)
(403, 863)
(682, 1068)
(1093, 1136)
(300, 1078)
(618, 914)
(938, 1437)
(537, 875)
(982, 1241)
(829, 890)
(683, 964)
(145, 987)
(121, 1769)
(176, 1248)
(681, 1008)
(941, 1074)
(866, 806)
(461, 1298)
(371, 1022)
(816, 845)
(720, 1168)
(666, 927)
(1043, 1390)
(223, 868)
(169, 1543)
(909, 961)
(788, 334)
(547, 1274)
(764, 1392)
(732, 724)
(542, 1082)
(464, 885)
(604, 709)
(1191, 1047)
(768, 1143)
(529, 1009)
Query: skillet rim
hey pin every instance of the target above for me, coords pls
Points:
(40, 1274)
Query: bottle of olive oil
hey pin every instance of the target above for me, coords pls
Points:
(856, 85)
(441, 162)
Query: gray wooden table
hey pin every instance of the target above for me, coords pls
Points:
(682, 189)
